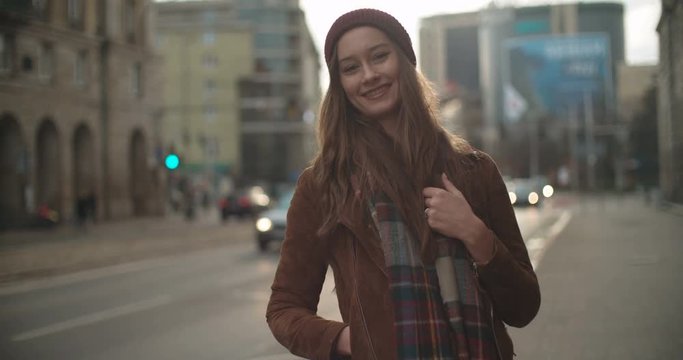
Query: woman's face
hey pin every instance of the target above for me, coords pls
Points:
(369, 72)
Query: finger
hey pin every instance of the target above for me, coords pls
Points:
(429, 202)
(430, 217)
(448, 184)
(430, 191)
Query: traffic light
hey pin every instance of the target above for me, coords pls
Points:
(172, 161)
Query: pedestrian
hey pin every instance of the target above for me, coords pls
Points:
(416, 224)
(82, 210)
(91, 205)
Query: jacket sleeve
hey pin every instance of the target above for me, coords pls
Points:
(509, 277)
(291, 312)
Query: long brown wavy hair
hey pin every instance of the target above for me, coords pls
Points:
(357, 151)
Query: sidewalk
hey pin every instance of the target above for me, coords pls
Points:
(27, 254)
(611, 285)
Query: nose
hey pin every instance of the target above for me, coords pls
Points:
(369, 74)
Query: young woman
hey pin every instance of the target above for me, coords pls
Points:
(417, 226)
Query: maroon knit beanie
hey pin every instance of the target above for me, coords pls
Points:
(369, 17)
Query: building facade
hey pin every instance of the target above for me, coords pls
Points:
(636, 108)
(76, 110)
(634, 81)
(670, 102)
(205, 52)
(508, 58)
(279, 102)
(242, 74)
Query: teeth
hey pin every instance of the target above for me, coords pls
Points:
(375, 92)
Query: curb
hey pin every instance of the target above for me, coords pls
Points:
(671, 207)
(60, 253)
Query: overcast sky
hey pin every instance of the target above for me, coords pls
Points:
(640, 22)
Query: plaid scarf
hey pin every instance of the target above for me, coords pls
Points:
(429, 325)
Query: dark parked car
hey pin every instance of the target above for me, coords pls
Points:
(528, 191)
(270, 225)
(524, 191)
(246, 202)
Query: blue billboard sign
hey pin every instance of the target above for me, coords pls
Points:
(547, 74)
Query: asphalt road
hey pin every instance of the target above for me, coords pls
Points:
(208, 304)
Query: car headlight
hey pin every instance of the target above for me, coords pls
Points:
(533, 198)
(261, 199)
(513, 197)
(264, 224)
(548, 191)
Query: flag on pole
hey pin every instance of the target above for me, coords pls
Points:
(515, 105)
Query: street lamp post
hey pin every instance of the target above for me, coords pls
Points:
(573, 131)
(534, 147)
(591, 157)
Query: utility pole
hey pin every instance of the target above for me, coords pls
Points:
(534, 141)
(591, 157)
(573, 130)
(104, 122)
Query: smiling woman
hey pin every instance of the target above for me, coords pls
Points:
(369, 74)
(416, 225)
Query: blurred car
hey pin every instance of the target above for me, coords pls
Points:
(245, 202)
(524, 191)
(271, 224)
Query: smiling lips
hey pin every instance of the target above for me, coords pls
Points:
(376, 92)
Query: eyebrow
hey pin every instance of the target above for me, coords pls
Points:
(373, 48)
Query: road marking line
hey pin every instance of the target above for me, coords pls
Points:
(107, 271)
(559, 225)
(81, 276)
(94, 318)
(537, 246)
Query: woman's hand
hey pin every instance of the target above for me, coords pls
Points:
(449, 213)
(344, 342)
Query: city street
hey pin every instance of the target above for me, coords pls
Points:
(146, 143)
(210, 303)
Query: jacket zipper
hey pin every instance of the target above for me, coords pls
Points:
(490, 305)
(360, 306)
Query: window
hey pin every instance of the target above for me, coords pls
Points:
(136, 80)
(209, 87)
(186, 138)
(212, 147)
(27, 63)
(129, 20)
(5, 54)
(39, 8)
(47, 59)
(160, 41)
(39, 5)
(75, 12)
(209, 38)
(210, 61)
(209, 113)
(80, 64)
(209, 17)
(272, 41)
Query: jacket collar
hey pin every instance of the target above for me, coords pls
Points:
(356, 218)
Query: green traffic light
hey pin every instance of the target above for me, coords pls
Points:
(172, 161)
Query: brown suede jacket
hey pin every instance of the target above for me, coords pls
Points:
(353, 252)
